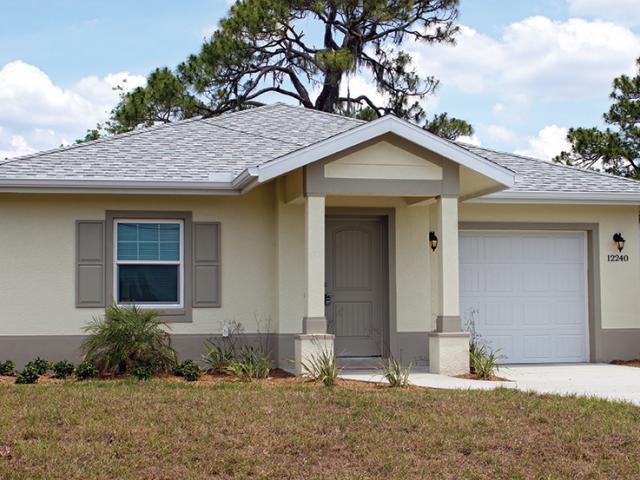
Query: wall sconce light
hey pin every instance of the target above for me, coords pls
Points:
(433, 240)
(619, 241)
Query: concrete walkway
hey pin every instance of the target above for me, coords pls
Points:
(611, 382)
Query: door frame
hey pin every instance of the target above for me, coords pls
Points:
(389, 330)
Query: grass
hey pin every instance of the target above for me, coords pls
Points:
(284, 428)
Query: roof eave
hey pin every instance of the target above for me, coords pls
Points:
(131, 187)
(567, 198)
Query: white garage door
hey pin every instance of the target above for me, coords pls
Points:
(526, 293)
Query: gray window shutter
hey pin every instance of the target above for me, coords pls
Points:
(90, 264)
(206, 264)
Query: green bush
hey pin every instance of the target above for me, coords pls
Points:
(142, 373)
(29, 375)
(189, 370)
(127, 338)
(39, 365)
(396, 375)
(322, 367)
(218, 357)
(86, 371)
(250, 363)
(483, 361)
(7, 368)
(62, 369)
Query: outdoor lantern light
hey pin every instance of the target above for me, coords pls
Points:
(617, 238)
(433, 241)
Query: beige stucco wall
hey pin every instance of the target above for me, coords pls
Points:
(37, 259)
(383, 160)
(619, 281)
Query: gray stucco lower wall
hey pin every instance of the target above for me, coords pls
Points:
(412, 347)
(23, 348)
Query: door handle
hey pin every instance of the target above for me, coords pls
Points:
(327, 299)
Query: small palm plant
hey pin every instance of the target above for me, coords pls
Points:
(128, 338)
(395, 373)
(322, 367)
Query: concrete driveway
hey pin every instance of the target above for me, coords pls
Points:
(611, 382)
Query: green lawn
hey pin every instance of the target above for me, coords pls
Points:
(286, 429)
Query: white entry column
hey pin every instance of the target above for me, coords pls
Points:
(448, 344)
(314, 339)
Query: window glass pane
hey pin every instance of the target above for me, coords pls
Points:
(169, 232)
(148, 251)
(149, 241)
(170, 251)
(127, 232)
(127, 251)
(148, 283)
(148, 232)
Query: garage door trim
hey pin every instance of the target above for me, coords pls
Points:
(593, 267)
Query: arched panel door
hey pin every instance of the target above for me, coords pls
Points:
(356, 269)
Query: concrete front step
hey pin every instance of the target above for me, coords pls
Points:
(358, 363)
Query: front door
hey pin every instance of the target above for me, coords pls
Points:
(356, 284)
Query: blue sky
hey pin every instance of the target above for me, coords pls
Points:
(522, 72)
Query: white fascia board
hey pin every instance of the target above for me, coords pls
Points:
(568, 198)
(117, 186)
(376, 128)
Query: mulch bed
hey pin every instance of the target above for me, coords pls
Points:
(627, 363)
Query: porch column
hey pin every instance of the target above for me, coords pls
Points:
(448, 344)
(314, 218)
(314, 338)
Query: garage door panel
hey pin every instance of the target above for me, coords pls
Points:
(537, 348)
(498, 278)
(570, 347)
(532, 306)
(536, 314)
(501, 344)
(570, 313)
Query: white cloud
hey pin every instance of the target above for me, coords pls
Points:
(37, 114)
(548, 143)
(471, 140)
(534, 58)
(624, 11)
(499, 133)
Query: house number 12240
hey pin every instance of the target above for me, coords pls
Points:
(617, 258)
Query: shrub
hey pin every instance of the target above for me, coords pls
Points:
(7, 368)
(396, 375)
(86, 370)
(189, 370)
(127, 338)
(218, 357)
(483, 361)
(39, 365)
(29, 375)
(250, 363)
(142, 373)
(322, 367)
(62, 369)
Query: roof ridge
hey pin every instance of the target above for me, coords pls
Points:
(252, 134)
(130, 133)
(320, 112)
(560, 165)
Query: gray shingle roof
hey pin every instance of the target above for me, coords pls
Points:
(189, 150)
(199, 150)
(535, 175)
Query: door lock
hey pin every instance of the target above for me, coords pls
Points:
(327, 299)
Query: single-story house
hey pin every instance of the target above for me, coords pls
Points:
(372, 238)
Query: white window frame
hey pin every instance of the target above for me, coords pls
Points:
(180, 263)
